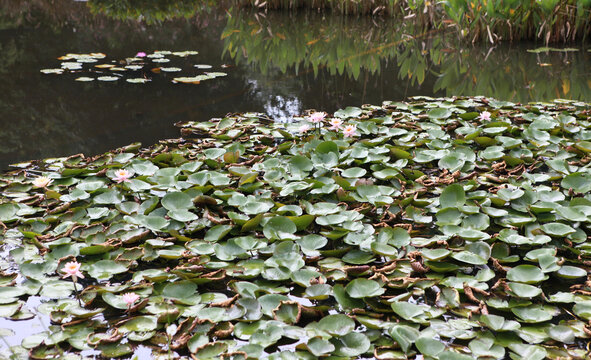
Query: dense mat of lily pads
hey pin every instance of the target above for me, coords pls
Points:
(450, 228)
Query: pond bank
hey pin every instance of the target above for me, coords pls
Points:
(458, 218)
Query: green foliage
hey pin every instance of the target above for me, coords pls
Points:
(338, 246)
(150, 11)
(475, 20)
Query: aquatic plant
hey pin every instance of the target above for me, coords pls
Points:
(348, 7)
(475, 20)
(142, 67)
(433, 232)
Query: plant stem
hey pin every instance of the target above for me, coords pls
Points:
(76, 291)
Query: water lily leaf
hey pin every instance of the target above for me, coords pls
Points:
(383, 249)
(571, 272)
(217, 232)
(452, 162)
(583, 309)
(256, 207)
(139, 323)
(7, 310)
(152, 222)
(279, 227)
(453, 196)
(179, 290)
(527, 274)
(397, 237)
(137, 80)
(557, 229)
(470, 258)
(526, 351)
(349, 111)
(214, 153)
(499, 323)
(8, 212)
(439, 113)
(579, 182)
(435, 254)
(534, 313)
(302, 222)
(405, 336)
(561, 333)
(107, 78)
(177, 201)
(452, 355)
(344, 300)
(301, 163)
(182, 215)
(109, 197)
(52, 71)
(351, 345)
(360, 288)
(409, 311)
(429, 346)
(318, 291)
(354, 172)
(337, 324)
(524, 290)
(319, 347)
(358, 257)
(115, 350)
(216, 74)
(105, 269)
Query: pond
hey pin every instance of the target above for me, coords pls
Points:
(187, 245)
(277, 63)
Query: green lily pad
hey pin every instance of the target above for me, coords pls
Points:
(360, 288)
(527, 274)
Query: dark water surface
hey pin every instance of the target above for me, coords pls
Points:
(280, 64)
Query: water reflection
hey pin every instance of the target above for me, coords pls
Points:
(284, 63)
(349, 47)
(24, 328)
(150, 11)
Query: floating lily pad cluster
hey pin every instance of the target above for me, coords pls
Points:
(451, 228)
(139, 69)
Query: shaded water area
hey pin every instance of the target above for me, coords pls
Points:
(277, 63)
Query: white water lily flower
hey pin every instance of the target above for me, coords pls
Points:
(130, 298)
(122, 175)
(335, 124)
(303, 129)
(41, 181)
(350, 131)
(317, 117)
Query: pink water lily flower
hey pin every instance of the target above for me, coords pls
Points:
(140, 54)
(41, 181)
(350, 131)
(335, 124)
(130, 298)
(72, 269)
(303, 129)
(317, 117)
(122, 175)
(485, 115)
